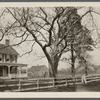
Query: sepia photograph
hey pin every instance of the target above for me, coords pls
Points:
(49, 49)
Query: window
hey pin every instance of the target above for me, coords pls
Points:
(13, 70)
(7, 57)
(0, 57)
(12, 59)
(15, 58)
(23, 71)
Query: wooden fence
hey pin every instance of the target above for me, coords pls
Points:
(16, 85)
(92, 78)
(21, 85)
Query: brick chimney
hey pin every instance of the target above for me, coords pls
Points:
(7, 42)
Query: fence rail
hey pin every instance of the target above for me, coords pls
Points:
(19, 85)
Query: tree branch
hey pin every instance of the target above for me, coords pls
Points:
(72, 26)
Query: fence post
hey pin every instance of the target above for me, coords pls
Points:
(53, 82)
(91, 77)
(19, 88)
(84, 79)
(37, 84)
(96, 77)
(66, 82)
(75, 79)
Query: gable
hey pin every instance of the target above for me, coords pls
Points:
(7, 50)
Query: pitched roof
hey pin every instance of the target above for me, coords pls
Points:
(7, 50)
(38, 68)
(38, 71)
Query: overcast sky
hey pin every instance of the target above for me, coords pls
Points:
(33, 58)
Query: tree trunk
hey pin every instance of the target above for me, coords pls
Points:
(86, 71)
(72, 61)
(53, 69)
(56, 68)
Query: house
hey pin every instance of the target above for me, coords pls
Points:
(9, 68)
(38, 71)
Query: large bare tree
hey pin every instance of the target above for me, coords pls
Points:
(53, 29)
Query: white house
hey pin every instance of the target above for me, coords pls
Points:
(9, 68)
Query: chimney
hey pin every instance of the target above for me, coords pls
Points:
(7, 42)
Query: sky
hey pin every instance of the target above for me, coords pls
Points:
(95, 54)
(33, 58)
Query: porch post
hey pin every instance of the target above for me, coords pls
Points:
(4, 58)
(19, 71)
(26, 71)
(9, 75)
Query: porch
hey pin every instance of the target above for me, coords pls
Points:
(13, 70)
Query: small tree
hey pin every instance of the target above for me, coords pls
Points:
(85, 64)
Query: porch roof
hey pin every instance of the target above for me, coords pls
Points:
(11, 64)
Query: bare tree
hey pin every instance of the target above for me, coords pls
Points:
(85, 64)
(52, 29)
(2, 33)
(78, 39)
